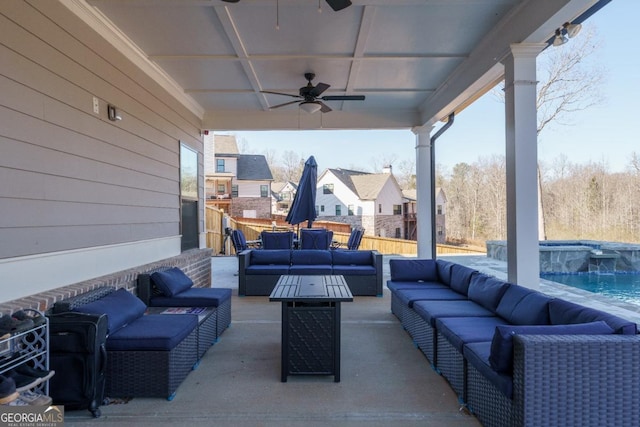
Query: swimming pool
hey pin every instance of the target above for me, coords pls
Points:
(625, 287)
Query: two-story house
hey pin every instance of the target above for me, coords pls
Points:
(282, 194)
(370, 200)
(239, 183)
(410, 209)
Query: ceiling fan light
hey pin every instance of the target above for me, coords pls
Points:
(310, 106)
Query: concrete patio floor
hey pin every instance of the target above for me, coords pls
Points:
(385, 379)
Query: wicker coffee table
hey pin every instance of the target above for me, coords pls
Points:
(311, 323)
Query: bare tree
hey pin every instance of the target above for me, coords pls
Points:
(569, 82)
(292, 164)
(377, 164)
(634, 163)
(406, 174)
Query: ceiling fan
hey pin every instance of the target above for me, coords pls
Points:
(311, 101)
(335, 4)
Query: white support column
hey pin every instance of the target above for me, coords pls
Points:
(424, 204)
(523, 254)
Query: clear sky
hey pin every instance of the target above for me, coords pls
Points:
(608, 132)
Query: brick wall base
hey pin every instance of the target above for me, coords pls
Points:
(196, 264)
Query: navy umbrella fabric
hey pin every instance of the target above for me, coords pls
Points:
(303, 207)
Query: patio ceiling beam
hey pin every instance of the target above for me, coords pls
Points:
(285, 120)
(286, 57)
(233, 35)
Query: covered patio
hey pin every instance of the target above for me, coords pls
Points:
(104, 107)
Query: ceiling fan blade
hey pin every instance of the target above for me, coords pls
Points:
(283, 105)
(338, 4)
(280, 93)
(343, 98)
(320, 87)
(324, 107)
(231, 1)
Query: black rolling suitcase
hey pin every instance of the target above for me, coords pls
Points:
(77, 352)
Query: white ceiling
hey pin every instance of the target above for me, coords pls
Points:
(416, 61)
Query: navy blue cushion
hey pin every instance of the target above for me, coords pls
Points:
(310, 269)
(154, 332)
(413, 269)
(311, 257)
(272, 240)
(352, 258)
(477, 354)
(501, 358)
(460, 278)
(565, 312)
(523, 306)
(121, 308)
(462, 330)
(194, 297)
(354, 270)
(408, 296)
(271, 257)
(431, 310)
(257, 270)
(171, 281)
(395, 285)
(444, 271)
(486, 290)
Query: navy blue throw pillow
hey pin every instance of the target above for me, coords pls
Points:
(172, 281)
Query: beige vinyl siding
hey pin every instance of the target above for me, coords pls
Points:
(72, 179)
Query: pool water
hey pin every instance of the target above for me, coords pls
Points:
(625, 287)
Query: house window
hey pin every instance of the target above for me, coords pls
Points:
(397, 209)
(219, 165)
(264, 191)
(327, 189)
(221, 188)
(234, 191)
(380, 208)
(350, 210)
(398, 235)
(338, 210)
(286, 196)
(321, 208)
(439, 209)
(188, 197)
(440, 230)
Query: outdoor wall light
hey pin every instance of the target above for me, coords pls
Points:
(113, 113)
(565, 33)
(560, 38)
(572, 29)
(310, 106)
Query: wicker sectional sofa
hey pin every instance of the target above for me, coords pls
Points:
(260, 269)
(515, 356)
(147, 355)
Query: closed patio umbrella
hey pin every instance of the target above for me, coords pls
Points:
(303, 207)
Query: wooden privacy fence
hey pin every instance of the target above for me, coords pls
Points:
(253, 227)
(213, 228)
